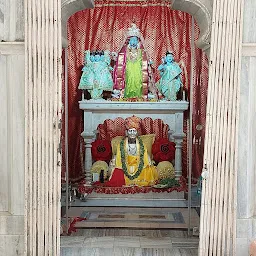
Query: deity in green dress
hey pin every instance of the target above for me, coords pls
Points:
(132, 73)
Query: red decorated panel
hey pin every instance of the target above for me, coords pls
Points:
(103, 28)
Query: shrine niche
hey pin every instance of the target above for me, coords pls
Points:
(161, 140)
(132, 67)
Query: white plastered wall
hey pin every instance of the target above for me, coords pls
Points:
(11, 127)
(246, 205)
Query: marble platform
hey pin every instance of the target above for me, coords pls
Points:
(129, 242)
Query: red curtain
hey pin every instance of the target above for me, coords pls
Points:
(103, 28)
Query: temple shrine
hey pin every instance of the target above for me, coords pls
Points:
(127, 127)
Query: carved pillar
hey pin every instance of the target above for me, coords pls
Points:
(89, 136)
(178, 156)
(88, 139)
(178, 139)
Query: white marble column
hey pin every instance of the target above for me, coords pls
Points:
(43, 112)
(218, 205)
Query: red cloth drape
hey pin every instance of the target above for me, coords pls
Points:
(103, 28)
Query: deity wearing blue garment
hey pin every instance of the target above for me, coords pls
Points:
(96, 76)
(170, 81)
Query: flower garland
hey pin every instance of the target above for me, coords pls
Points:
(123, 157)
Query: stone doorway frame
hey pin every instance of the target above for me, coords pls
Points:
(201, 10)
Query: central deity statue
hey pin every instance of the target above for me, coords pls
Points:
(132, 160)
(132, 73)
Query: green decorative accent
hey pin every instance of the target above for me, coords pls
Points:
(123, 157)
(169, 182)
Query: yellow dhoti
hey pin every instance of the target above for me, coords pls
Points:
(148, 175)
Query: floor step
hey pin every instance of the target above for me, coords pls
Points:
(132, 242)
(117, 251)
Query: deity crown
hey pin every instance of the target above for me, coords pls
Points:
(133, 31)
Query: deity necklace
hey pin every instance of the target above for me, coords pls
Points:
(133, 54)
(132, 149)
(124, 157)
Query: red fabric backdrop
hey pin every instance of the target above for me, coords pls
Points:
(103, 28)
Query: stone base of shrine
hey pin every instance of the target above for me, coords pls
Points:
(136, 192)
(146, 196)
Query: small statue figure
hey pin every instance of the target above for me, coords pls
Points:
(132, 73)
(170, 81)
(96, 76)
(132, 159)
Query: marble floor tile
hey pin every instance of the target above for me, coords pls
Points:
(87, 242)
(72, 241)
(194, 252)
(127, 251)
(123, 232)
(87, 251)
(188, 252)
(160, 252)
(151, 233)
(96, 232)
(131, 242)
(173, 233)
(103, 242)
(163, 242)
(109, 232)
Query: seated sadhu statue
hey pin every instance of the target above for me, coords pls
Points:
(132, 161)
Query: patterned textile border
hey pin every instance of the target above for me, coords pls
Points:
(131, 190)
